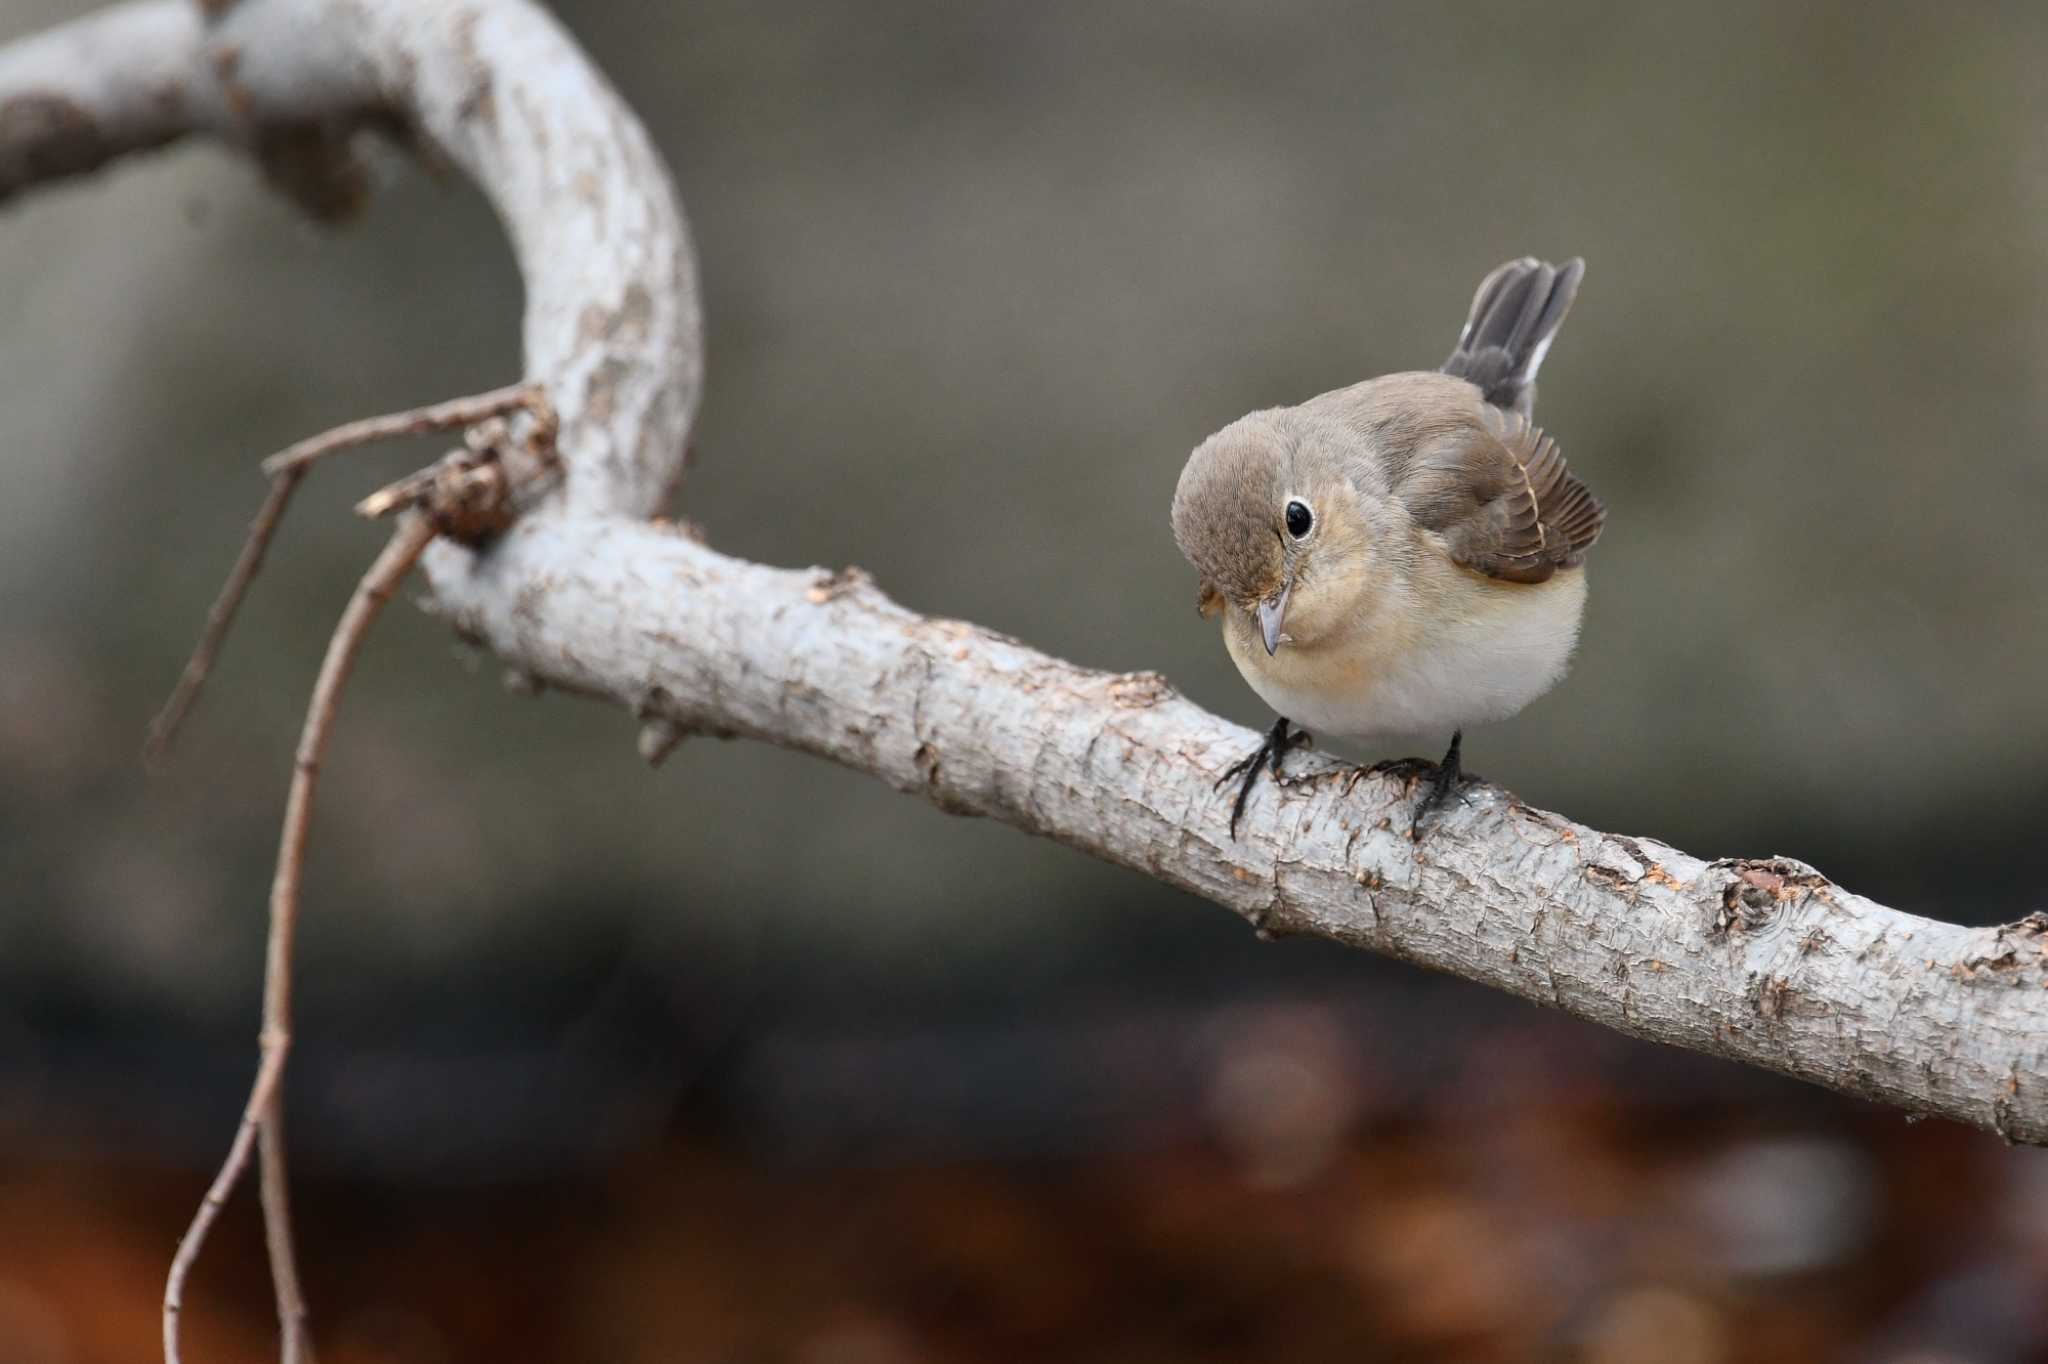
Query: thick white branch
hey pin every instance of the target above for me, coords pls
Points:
(1764, 962)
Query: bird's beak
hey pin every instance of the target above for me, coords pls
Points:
(1272, 615)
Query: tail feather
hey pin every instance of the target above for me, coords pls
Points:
(1515, 316)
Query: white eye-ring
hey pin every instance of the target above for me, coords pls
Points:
(1300, 520)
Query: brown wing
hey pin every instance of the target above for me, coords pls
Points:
(1505, 502)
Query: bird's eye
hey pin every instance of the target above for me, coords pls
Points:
(1300, 520)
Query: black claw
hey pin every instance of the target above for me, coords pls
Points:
(1270, 754)
(1443, 782)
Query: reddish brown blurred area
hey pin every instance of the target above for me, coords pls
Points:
(1580, 1230)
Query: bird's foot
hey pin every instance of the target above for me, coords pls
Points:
(1445, 780)
(1279, 743)
(1406, 770)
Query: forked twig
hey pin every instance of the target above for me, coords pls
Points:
(264, 1110)
(285, 469)
(267, 1076)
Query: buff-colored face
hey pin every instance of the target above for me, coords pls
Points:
(1269, 515)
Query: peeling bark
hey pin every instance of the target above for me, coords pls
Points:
(1762, 961)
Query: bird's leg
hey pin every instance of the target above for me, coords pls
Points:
(1442, 783)
(1270, 753)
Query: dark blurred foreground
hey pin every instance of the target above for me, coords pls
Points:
(1250, 1182)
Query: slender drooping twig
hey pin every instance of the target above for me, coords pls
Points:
(285, 469)
(265, 1107)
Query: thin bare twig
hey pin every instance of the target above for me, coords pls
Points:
(285, 469)
(164, 728)
(418, 421)
(267, 1076)
(274, 1189)
(476, 491)
(265, 1107)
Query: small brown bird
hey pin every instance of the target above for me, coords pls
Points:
(1403, 555)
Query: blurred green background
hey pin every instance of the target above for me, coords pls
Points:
(977, 278)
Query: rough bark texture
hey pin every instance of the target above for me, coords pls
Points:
(1762, 961)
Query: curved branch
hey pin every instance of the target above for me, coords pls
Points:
(1760, 961)
(495, 87)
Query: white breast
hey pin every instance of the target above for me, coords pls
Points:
(1480, 653)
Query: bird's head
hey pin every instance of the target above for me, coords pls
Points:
(1270, 512)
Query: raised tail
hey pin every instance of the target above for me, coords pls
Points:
(1515, 316)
